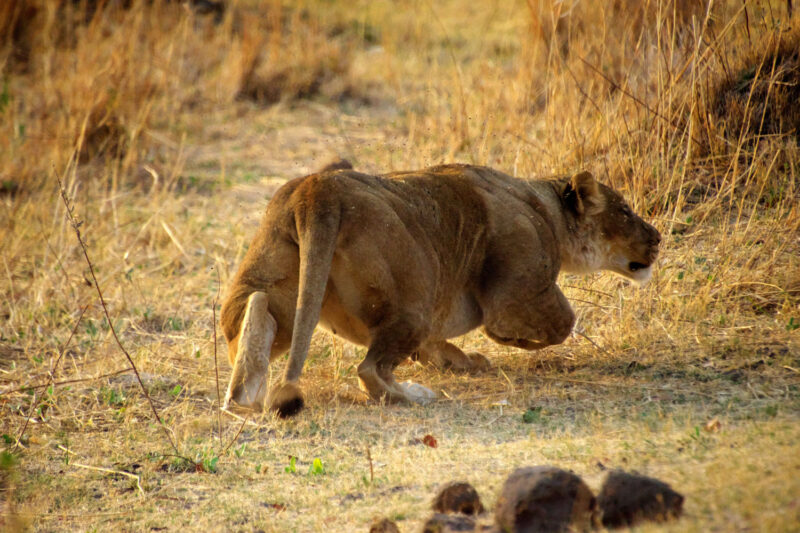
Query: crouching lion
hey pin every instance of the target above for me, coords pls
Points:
(402, 262)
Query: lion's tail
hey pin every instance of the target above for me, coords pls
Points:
(317, 228)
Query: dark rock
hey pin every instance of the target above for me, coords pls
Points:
(545, 498)
(447, 523)
(628, 499)
(458, 497)
(383, 525)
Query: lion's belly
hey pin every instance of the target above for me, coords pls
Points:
(335, 318)
(462, 315)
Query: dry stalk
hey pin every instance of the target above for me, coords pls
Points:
(371, 468)
(235, 437)
(216, 366)
(633, 97)
(65, 382)
(76, 224)
(138, 479)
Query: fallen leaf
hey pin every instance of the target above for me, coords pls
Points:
(276, 506)
(430, 440)
(713, 425)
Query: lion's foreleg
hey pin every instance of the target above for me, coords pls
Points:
(445, 355)
(248, 385)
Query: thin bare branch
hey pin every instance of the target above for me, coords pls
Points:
(76, 225)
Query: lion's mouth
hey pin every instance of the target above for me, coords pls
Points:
(633, 266)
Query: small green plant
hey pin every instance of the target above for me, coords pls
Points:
(112, 397)
(316, 468)
(533, 414)
(792, 324)
(258, 468)
(175, 324)
(66, 452)
(7, 461)
(210, 464)
(5, 97)
(175, 391)
(239, 452)
(8, 439)
(292, 468)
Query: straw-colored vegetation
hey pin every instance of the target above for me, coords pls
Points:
(170, 125)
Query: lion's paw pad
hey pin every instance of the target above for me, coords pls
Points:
(417, 393)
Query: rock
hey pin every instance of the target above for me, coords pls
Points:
(447, 523)
(628, 499)
(383, 525)
(458, 497)
(545, 498)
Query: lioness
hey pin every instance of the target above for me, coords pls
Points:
(402, 262)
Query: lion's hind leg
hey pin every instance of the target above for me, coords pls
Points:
(248, 384)
(390, 345)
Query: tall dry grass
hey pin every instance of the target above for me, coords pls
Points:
(90, 81)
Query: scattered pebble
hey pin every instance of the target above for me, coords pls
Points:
(458, 497)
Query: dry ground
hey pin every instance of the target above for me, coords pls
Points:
(694, 379)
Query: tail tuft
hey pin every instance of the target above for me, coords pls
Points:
(286, 400)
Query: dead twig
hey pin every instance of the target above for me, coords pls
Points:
(591, 341)
(216, 366)
(135, 477)
(65, 382)
(371, 468)
(235, 437)
(245, 420)
(636, 99)
(76, 225)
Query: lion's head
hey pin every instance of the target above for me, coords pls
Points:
(607, 234)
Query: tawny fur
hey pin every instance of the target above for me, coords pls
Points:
(402, 262)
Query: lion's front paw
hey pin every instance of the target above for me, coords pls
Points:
(417, 393)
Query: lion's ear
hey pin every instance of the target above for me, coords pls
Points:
(582, 193)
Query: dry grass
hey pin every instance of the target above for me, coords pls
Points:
(171, 129)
